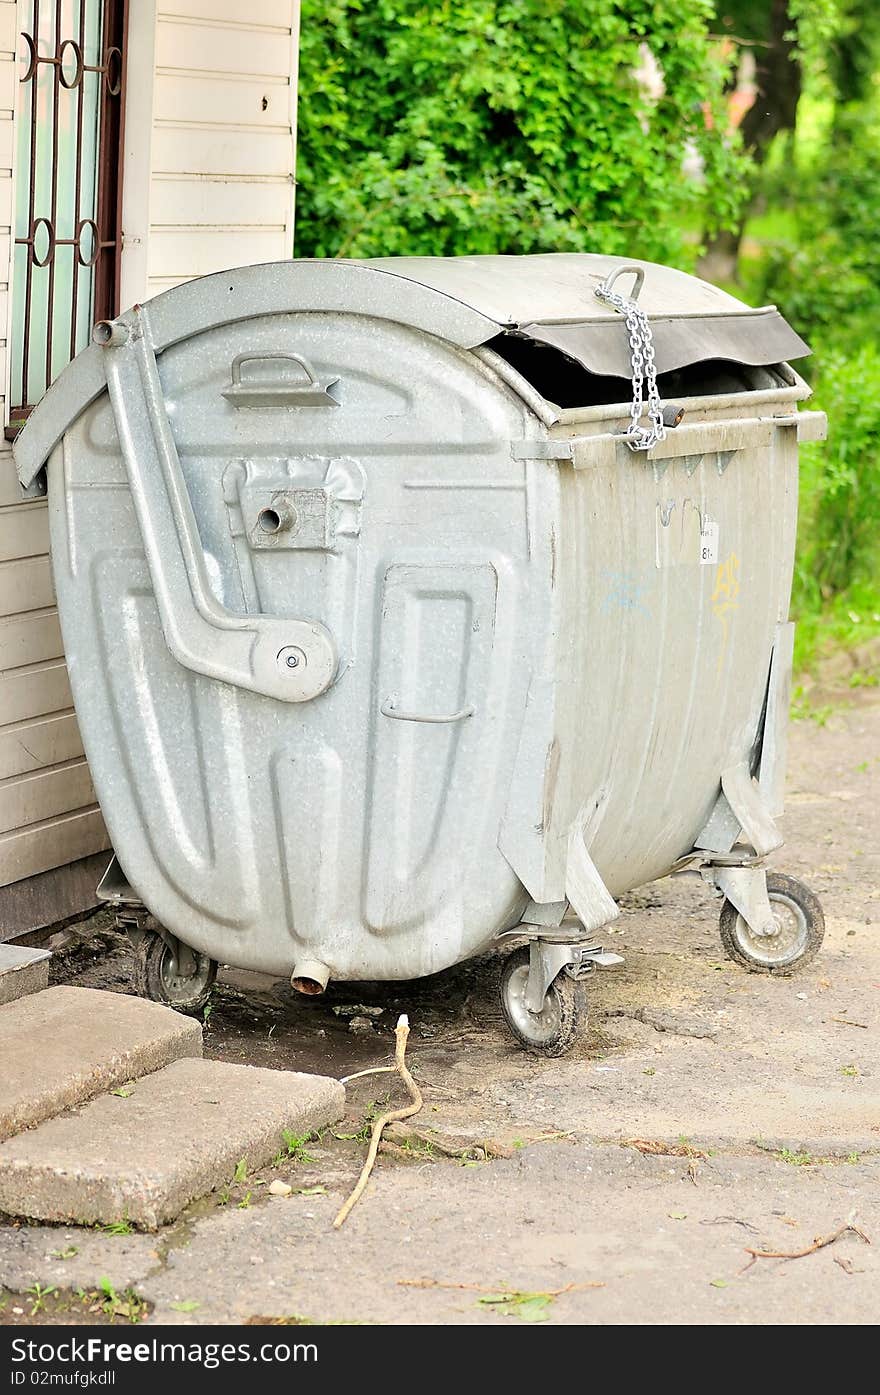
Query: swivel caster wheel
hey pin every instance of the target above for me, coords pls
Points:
(563, 1015)
(798, 938)
(169, 972)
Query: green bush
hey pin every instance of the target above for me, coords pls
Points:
(826, 275)
(836, 594)
(839, 552)
(468, 126)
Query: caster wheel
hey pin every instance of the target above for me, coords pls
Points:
(552, 1031)
(180, 977)
(798, 913)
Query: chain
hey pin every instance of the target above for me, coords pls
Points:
(641, 343)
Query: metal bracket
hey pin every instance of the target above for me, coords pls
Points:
(590, 898)
(549, 914)
(745, 800)
(37, 488)
(740, 807)
(810, 426)
(746, 888)
(114, 887)
(548, 449)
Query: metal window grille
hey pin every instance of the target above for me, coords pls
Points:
(68, 226)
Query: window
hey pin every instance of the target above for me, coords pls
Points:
(68, 185)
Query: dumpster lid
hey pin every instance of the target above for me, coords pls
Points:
(467, 301)
(552, 298)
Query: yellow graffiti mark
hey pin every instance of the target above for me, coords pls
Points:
(725, 600)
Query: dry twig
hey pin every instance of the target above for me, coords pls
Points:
(657, 1147)
(818, 1244)
(847, 1265)
(374, 1070)
(430, 1141)
(845, 1022)
(401, 1033)
(730, 1220)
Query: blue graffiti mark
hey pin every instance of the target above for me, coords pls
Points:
(625, 592)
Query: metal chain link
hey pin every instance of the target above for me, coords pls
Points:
(641, 343)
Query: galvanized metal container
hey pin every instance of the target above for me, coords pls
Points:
(384, 642)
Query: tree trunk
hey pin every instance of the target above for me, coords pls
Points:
(778, 79)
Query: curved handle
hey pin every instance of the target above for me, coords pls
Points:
(270, 358)
(282, 392)
(388, 710)
(292, 660)
(638, 272)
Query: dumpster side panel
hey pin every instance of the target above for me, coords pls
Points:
(359, 827)
(674, 576)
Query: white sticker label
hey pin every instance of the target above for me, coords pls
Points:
(708, 542)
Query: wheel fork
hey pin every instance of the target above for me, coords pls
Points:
(746, 889)
(548, 958)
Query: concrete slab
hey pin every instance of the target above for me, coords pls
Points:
(22, 970)
(64, 1045)
(180, 1133)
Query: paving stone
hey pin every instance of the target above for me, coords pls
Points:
(22, 970)
(64, 1045)
(177, 1135)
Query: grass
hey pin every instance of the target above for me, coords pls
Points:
(294, 1149)
(805, 1159)
(127, 1304)
(845, 622)
(803, 710)
(123, 1227)
(38, 1293)
(55, 1304)
(796, 1159)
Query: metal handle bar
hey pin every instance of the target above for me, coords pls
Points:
(292, 660)
(282, 392)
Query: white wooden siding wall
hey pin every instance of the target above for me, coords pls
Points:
(209, 185)
(221, 191)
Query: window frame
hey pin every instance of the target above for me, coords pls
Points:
(112, 73)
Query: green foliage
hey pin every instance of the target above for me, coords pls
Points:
(296, 1146)
(473, 126)
(469, 126)
(843, 476)
(826, 275)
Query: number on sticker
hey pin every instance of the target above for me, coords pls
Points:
(708, 542)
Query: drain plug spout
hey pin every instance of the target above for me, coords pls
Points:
(310, 977)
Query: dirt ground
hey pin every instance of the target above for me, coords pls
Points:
(766, 1091)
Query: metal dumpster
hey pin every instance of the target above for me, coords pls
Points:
(396, 626)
